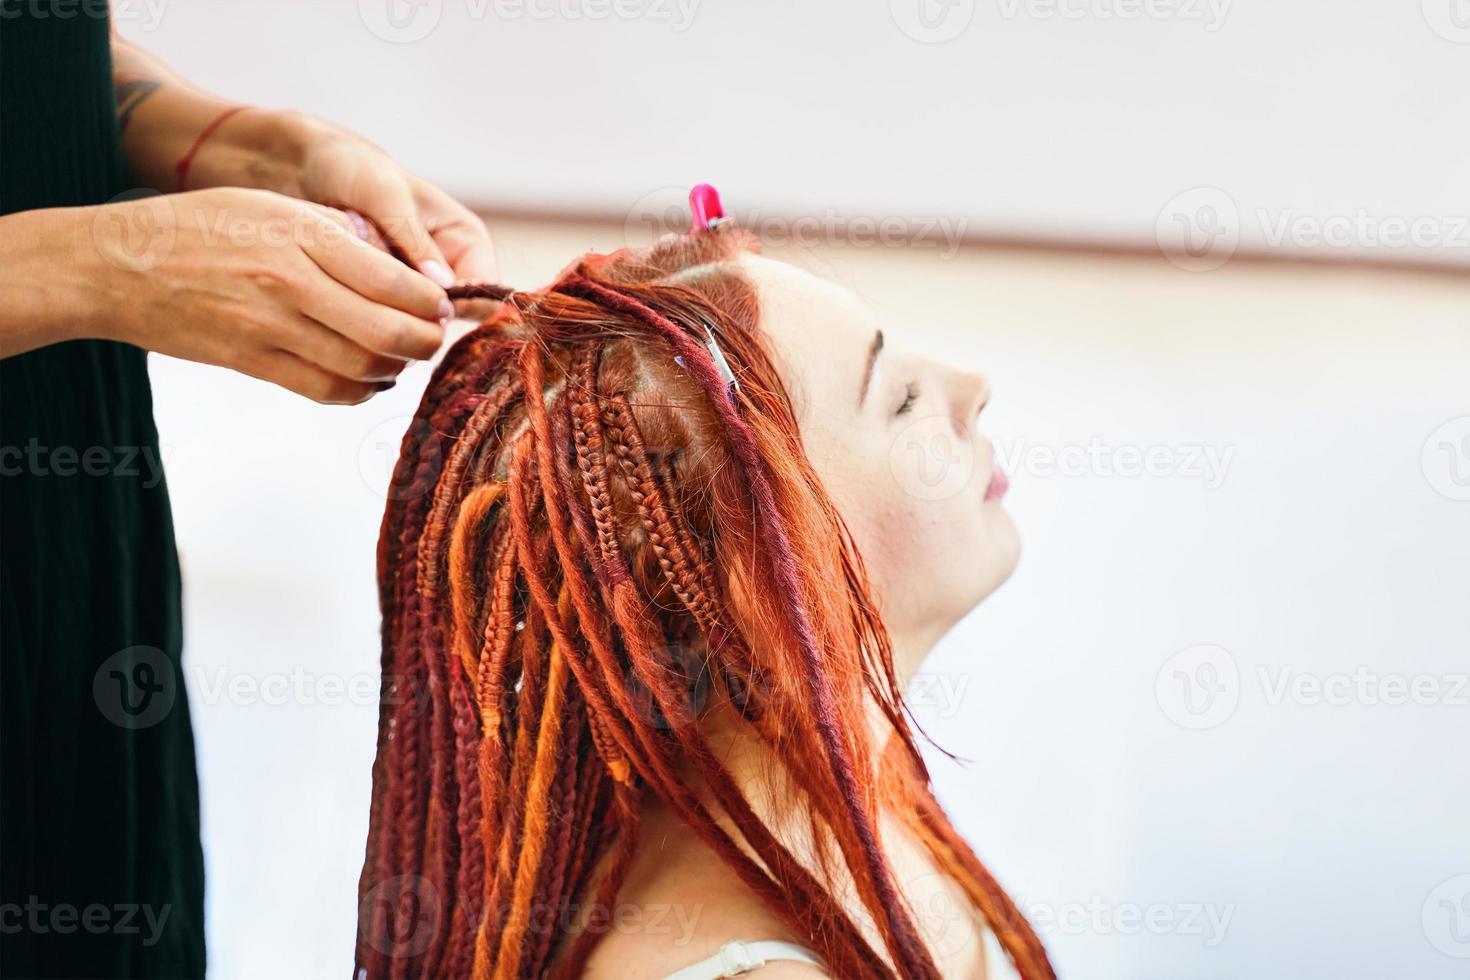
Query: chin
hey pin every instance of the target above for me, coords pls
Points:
(923, 602)
(1000, 551)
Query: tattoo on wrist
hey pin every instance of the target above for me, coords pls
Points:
(132, 93)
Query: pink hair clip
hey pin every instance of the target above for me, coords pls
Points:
(704, 205)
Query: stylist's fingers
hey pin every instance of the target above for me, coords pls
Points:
(330, 350)
(390, 203)
(310, 380)
(371, 273)
(460, 234)
(369, 324)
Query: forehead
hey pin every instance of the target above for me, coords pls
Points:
(821, 333)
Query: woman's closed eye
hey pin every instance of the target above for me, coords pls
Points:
(910, 396)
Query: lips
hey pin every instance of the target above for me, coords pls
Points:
(999, 484)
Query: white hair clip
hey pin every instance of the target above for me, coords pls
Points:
(720, 362)
(718, 356)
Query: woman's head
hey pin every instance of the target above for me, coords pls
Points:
(599, 550)
(895, 440)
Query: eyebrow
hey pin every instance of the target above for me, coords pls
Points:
(873, 350)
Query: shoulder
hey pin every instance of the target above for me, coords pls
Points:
(679, 905)
(649, 938)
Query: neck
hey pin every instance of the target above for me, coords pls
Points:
(911, 649)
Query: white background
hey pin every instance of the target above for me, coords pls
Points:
(1068, 120)
(1332, 544)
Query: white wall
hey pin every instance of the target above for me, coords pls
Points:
(1060, 118)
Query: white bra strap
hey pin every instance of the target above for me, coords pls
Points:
(738, 958)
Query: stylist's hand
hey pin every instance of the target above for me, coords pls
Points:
(442, 237)
(270, 286)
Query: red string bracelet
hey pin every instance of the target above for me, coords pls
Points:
(182, 167)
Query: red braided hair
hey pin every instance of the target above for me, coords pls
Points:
(592, 546)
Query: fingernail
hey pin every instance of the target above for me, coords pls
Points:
(446, 312)
(437, 272)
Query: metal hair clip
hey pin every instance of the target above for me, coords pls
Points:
(721, 365)
(720, 362)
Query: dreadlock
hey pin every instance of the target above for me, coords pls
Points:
(593, 544)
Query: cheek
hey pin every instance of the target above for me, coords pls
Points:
(942, 558)
(931, 555)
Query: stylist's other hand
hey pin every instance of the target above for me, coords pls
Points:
(443, 238)
(273, 287)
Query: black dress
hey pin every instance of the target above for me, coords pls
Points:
(101, 870)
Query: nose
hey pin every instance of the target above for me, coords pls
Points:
(970, 393)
